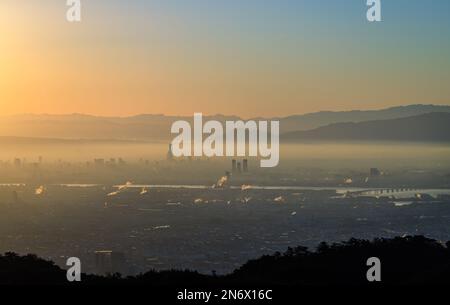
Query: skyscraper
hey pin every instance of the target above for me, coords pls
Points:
(245, 165)
(169, 153)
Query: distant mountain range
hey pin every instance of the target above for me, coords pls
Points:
(430, 127)
(324, 118)
(325, 125)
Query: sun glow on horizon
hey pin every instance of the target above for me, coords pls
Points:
(256, 61)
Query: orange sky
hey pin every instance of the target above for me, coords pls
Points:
(166, 61)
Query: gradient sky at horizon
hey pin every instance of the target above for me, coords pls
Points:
(244, 57)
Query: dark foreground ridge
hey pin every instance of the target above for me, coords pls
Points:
(404, 261)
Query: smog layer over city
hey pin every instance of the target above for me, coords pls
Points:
(155, 211)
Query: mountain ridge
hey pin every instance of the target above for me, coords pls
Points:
(156, 127)
(430, 127)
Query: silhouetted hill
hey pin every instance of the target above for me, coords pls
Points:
(431, 127)
(323, 118)
(157, 127)
(404, 261)
(63, 141)
(29, 269)
(143, 127)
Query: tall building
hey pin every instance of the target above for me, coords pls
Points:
(15, 198)
(99, 162)
(169, 153)
(17, 162)
(245, 165)
(375, 172)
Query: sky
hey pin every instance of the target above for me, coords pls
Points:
(243, 57)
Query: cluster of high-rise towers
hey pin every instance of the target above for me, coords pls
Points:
(238, 167)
